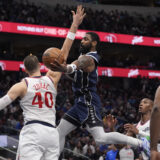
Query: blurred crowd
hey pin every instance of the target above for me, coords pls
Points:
(131, 61)
(120, 97)
(60, 15)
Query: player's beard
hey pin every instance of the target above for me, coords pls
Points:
(85, 49)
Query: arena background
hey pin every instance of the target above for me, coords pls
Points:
(120, 95)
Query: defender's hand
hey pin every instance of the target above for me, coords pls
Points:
(131, 128)
(79, 15)
(56, 66)
(110, 121)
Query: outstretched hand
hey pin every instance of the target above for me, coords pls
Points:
(110, 121)
(56, 66)
(131, 128)
(79, 15)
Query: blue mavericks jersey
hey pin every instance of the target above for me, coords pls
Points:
(87, 103)
(86, 81)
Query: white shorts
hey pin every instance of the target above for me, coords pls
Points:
(38, 142)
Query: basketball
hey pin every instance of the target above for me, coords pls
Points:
(52, 54)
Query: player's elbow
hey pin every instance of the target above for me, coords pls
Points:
(89, 69)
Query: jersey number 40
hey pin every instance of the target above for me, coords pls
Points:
(48, 99)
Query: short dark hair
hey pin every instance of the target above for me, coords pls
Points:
(31, 63)
(94, 37)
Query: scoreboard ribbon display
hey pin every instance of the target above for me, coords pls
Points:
(29, 29)
(102, 71)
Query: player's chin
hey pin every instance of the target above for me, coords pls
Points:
(140, 111)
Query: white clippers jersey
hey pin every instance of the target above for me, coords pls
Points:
(145, 128)
(39, 101)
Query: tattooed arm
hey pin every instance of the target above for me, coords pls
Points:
(85, 63)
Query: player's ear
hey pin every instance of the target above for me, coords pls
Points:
(39, 65)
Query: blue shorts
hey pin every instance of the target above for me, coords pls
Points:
(86, 110)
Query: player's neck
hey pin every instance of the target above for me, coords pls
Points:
(93, 50)
(145, 117)
(35, 74)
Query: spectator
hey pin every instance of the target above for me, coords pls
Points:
(127, 153)
(118, 100)
(112, 153)
(112, 21)
(78, 149)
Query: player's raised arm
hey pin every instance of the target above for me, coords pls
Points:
(155, 121)
(77, 20)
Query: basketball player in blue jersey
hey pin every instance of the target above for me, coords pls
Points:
(87, 105)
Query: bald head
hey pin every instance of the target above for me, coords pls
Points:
(145, 105)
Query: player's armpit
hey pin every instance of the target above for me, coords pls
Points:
(55, 76)
(86, 63)
(17, 90)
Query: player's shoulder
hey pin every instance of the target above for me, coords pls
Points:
(23, 82)
(140, 124)
(48, 78)
(137, 124)
(158, 90)
(94, 55)
(20, 86)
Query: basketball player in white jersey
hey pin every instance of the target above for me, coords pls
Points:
(39, 138)
(142, 129)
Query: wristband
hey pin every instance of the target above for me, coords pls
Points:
(71, 68)
(71, 35)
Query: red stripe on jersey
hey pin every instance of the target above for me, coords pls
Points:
(26, 82)
(50, 79)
